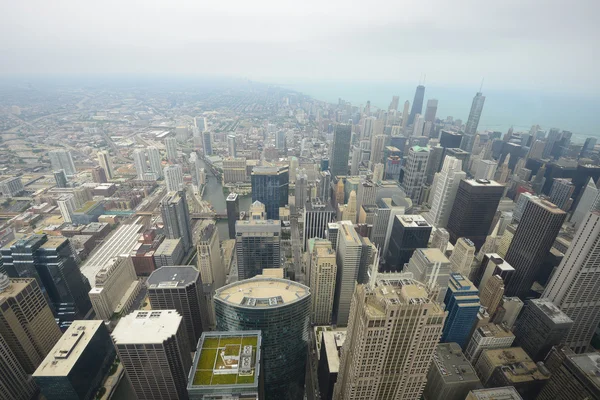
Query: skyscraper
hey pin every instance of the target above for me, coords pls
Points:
(474, 209)
(462, 256)
(257, 246)
(207, 143)
(444, 188)
(533, 239)
(280, 140)
(231, 146)
(212, 271)
(431, 110)
(139, 161)
(490, 294)
(176, 218)
(26, 322)
(317, 216)
(489, 336)
(377, 145)
(587, 200)
(576, 377)
(60, 178)
(106, 163)
(462, 304)
(154, 350)
(323, 271)
(179, 288)
(174, 177)
(393, 332)
(66, 205)
(98, 174)
(350, 212)
(270, 186)
(78, 363)
(233, 212)
(417, 106)
(155, 162)
(171, 146)
(300, 189)
(340, 150)
(573, 287)
(349, 251)
(540, 326)
(280, 309)
(415, 172)
(561, 192)
(394, 104)
(409, 232)
(405, 115)
(51, 260)
(433, 268)
(15, 384)
(475, 114)
(61, 159)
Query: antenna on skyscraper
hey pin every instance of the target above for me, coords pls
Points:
(481, 87)
(424, 79)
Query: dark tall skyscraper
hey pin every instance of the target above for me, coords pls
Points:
(61, 178)
(475, 114)
(233, 213)
(270, 186)
(340, 149)
(474, 209)
(51, 261)
(417, 105)
(409, 232)
(450, 139)
(535, 234)
(176, 218)
(317, 217)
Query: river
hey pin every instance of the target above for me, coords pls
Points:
(213, 193)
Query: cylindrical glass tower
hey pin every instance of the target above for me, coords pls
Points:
(280, 309)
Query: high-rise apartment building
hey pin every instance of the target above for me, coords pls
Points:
(474, 209)
(540, 326)
(431, 110)
(171, 146)
(115, 288)
(155, 161)
(414, 172)
(78, 363)
(176, 218)
(377, 145)
(52, 262)
(60, 178)
(207, 143)
(154, 350)
(444, 188)
(179, 288)
(462, 304)
(490, 294)
(66, 205)
(573, 287)
(431, 267)
(280, 309)
(26, 322)
(489, 336)
(340, 150)
(62, 159)
(173, 177)
(349, 252)
(233, 212)
(99, 175)
(212, 270)
(318, 214)
(475, 114)
(231, 146)
(451, 376)
(257, 246)
(106, 163)
(417, 105)
(393, 332)
(270, 186)
(140, 163)
(323, 272)
(409, 232)
(15, 384)
(533, 239)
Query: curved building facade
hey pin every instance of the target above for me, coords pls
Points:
(280, 309)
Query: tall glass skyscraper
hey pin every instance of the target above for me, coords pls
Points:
(462, 304)
(176, 218)
(475, 114)
(417, 106)
(340, 150)
(270, 186)
(280, 309)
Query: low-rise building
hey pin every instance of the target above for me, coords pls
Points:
(170, 252)
(490, 336)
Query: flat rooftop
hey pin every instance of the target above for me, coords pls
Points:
(121, 241)
(226, 359)
(493, 330)
(167, 247)
(547, 205)
(68, 349)
(551, 311)
(452, 364)
(15, 287)
(483, 182)
(589, 364)
(172, 277)
(413, 221)
(147, 327)
(434, 255)
(262, 292)
(333, 341)
(501, 393)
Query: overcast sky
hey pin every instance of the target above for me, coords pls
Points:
(545, 45)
